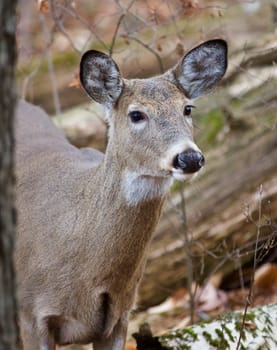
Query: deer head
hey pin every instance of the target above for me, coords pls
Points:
(151, 119)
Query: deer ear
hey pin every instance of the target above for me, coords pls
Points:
(201, 68)
(100, 77)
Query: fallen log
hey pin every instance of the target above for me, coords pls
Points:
(258, 56)
(254, 330)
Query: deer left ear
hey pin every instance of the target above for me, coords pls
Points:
(100, 77)
(201, 68)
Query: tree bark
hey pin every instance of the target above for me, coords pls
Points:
(257, 57)
(8, 323)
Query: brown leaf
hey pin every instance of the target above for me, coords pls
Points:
(180, 49)
(190, 3)
(216, 13)
(190, 7)
(178, 299)
(75, 82)
(43, 6)
(266, 277)
(130, 345)
(216, 279)
(159, 47)
(250, 325)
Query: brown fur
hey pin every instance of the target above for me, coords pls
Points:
(85, 220)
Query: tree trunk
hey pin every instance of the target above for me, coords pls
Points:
(258, 332)
(8, 323)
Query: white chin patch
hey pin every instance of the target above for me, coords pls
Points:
(180, 176)
(139, 188)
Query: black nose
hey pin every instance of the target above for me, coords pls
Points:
(189, 161)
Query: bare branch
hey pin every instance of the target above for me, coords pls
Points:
(147, 47)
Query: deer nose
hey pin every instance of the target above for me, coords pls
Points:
(189, 161)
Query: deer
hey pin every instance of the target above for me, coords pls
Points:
(86, 219)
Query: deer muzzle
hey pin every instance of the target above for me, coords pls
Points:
(189, 161)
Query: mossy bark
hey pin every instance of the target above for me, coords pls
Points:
(258, 332)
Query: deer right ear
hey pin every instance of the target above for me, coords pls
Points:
(100, 77)
(201, 68)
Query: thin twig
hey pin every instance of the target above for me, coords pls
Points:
(147, 48)
(75, 15)
(30, 76)
(118, 25)
(115, 34)
(58, 22)
(55, 92)
(34, 72)
(189, 264)
(249, 297)
(238, 264)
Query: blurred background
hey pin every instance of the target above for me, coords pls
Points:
(215, 247)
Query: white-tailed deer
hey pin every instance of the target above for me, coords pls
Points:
(85, 219)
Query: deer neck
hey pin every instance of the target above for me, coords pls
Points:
(129, 204)
(122, 228)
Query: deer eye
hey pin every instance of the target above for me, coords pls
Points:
(187, 110)
(137, 116)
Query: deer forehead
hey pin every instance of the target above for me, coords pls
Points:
(156, 93)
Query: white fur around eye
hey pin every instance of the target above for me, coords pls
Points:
(138, 126)
(141, 124)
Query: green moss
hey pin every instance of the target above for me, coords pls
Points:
(177, 186)
(228, 332)
(221, 339)
(179, 343)
(220, 343)
(250, 316)
(210, 126)
(180, 338)
(24, 70)
(238, 325)
(191, 332)
(268, 321)
(236, 102)
(67, 60)
(271, 119)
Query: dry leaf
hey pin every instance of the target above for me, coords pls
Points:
(179, 298)
(216, 13)
(190, 3)
(130, 345)
(75, 82)
(180, 49)
(185, 322)
(266, 277)
(190, 7)
(210, 298)
(216, 279)
(43, 6)
(250, 325)
(159, 47)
